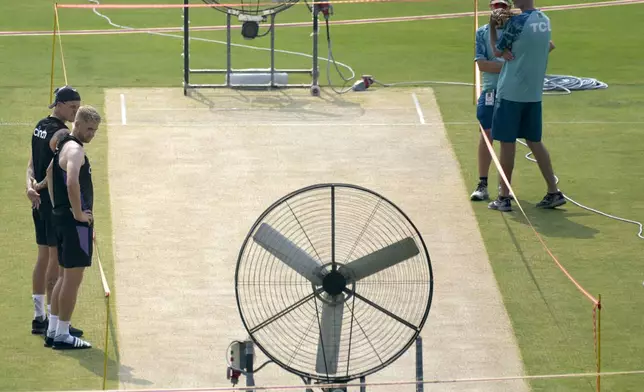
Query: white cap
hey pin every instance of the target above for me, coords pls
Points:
(506, 2)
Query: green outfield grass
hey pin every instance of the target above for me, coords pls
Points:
(599, 164)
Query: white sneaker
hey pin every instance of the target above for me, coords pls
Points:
(480, 193)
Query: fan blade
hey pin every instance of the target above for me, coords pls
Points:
(381, 259)
(329, 343)
(289, 253)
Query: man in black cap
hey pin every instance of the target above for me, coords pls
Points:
(44, 139)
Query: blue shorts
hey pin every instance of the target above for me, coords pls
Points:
(516, 120)
(485, 112)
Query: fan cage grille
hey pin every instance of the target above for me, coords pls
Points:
(364, 222)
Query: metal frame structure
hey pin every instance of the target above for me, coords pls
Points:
(248, 361)
(229, 70)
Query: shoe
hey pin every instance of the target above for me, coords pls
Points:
(39, 326)
(480, 193)
(75, 332)
(48, 341)
(76, 344)
(552, 200)
(510, 196)
(501, 204)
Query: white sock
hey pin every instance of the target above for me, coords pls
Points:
(53, 324)
(39, 305)
(49, 309)
(62, 332)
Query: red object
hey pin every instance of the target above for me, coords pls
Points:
(325, 8)
(233, 375)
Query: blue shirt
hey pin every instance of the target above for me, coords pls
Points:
(527, 36)
(484, 52)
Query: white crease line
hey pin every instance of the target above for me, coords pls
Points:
(219, 124)
(123, 111)
(323, 124)
(418, 109)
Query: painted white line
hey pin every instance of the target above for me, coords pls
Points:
(13, 124)
(418, 109)
(328, 124)
(307, 24)
(123, 111)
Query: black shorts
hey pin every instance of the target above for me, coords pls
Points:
(45, 232)
(75, 245)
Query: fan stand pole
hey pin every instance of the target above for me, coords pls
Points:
(419, 364)
(249, 352)
(308, 382)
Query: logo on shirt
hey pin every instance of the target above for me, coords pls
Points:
(541, 27)
(39, 133)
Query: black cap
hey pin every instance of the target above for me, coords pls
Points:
(64, 94)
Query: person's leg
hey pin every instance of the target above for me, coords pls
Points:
(508, 151)
(505, 125)
(53, 271)
(484, 114)
(76, 255)
(532, 130)
(55, 293)
(485, 158)
(53, 314)
(545, 165)
(38, 277)
(51, 276)
(72, 278)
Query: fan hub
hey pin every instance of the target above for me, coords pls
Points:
(334, 283)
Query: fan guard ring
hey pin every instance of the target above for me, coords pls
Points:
(288, 313)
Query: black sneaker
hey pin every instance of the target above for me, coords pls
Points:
(76, 344)
(502, 203)
(39, 326)
(48, 341)
(75, 332)
(552, 200)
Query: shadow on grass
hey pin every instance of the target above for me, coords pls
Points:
(93, 360)
(284, 102)
(554, 222)
(517, 216)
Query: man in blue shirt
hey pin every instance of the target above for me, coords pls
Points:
(490, 66)
(525, 45)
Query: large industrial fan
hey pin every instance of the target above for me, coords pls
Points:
(333, 283)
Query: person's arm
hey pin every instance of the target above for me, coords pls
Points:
(75, 159)
(489, 66)
(50, 180)
(53, 144)
(32, 193)
(552, 46)
(503, 46)
(481, 54)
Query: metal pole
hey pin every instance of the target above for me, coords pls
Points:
(186, 47)
(272, 50)
(249, 351)
(228, 50)
(316, 12)
(363, 381)
(419, 364)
